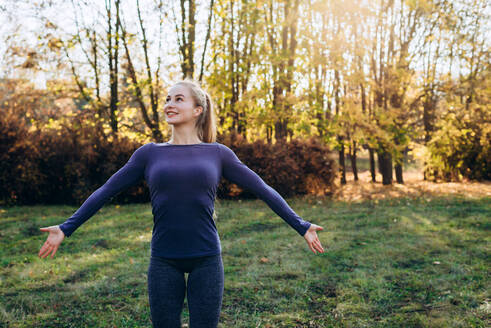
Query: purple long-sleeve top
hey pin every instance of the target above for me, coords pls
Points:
(183, 181)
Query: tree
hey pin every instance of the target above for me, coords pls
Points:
(234, 59)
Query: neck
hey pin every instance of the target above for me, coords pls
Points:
(180, 137)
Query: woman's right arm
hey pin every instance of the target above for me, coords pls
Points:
(128, 175)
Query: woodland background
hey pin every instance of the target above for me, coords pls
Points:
(300, 86)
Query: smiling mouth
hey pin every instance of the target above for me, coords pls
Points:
(170, 114)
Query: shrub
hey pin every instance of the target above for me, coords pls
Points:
(65, 166)
(297, 167)
(58, 167)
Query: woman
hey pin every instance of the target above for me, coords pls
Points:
(183, 175)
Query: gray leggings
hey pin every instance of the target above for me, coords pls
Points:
(167, 287)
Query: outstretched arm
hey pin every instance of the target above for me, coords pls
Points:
(237, 172)
(128, 175)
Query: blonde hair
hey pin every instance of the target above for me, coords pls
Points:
(206, 122)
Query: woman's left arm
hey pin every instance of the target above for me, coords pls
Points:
(237, 172)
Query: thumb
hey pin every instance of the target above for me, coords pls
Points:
(319, 228)
(45, 229)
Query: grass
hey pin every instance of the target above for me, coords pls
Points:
(406, 262)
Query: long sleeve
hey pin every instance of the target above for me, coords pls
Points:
(131, 173)
(237, 172)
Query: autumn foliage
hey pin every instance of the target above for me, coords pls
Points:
(54, 167)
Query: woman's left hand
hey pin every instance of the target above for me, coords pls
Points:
(312, 239)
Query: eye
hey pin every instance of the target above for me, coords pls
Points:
(179, 98)
(167, 99)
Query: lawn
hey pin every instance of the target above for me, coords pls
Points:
(402, 262)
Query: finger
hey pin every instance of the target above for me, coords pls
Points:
(312, 248)
(54, 252)
(40, 250)
(45, 251)
(51, 245)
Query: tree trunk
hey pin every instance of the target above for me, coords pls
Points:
(353, 161)
(428, 117)
(372, 164)
(398, 169)
(187, 39)
(113, 72)
(269, 134)
(398, 164)
(342, 165)
(385, 166)
(280, 130)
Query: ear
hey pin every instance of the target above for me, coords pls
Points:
(199, 109)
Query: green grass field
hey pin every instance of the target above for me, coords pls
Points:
(392, 263)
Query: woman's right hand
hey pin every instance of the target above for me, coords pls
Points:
(55, 237)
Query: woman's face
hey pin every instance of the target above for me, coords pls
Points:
(180, 106)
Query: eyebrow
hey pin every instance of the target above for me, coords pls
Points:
(177, 95)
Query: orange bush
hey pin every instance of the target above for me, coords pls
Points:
(57, 167)
(66, 166)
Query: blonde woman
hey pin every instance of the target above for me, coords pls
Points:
(183, 175)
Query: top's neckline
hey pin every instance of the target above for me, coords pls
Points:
(170, 144)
